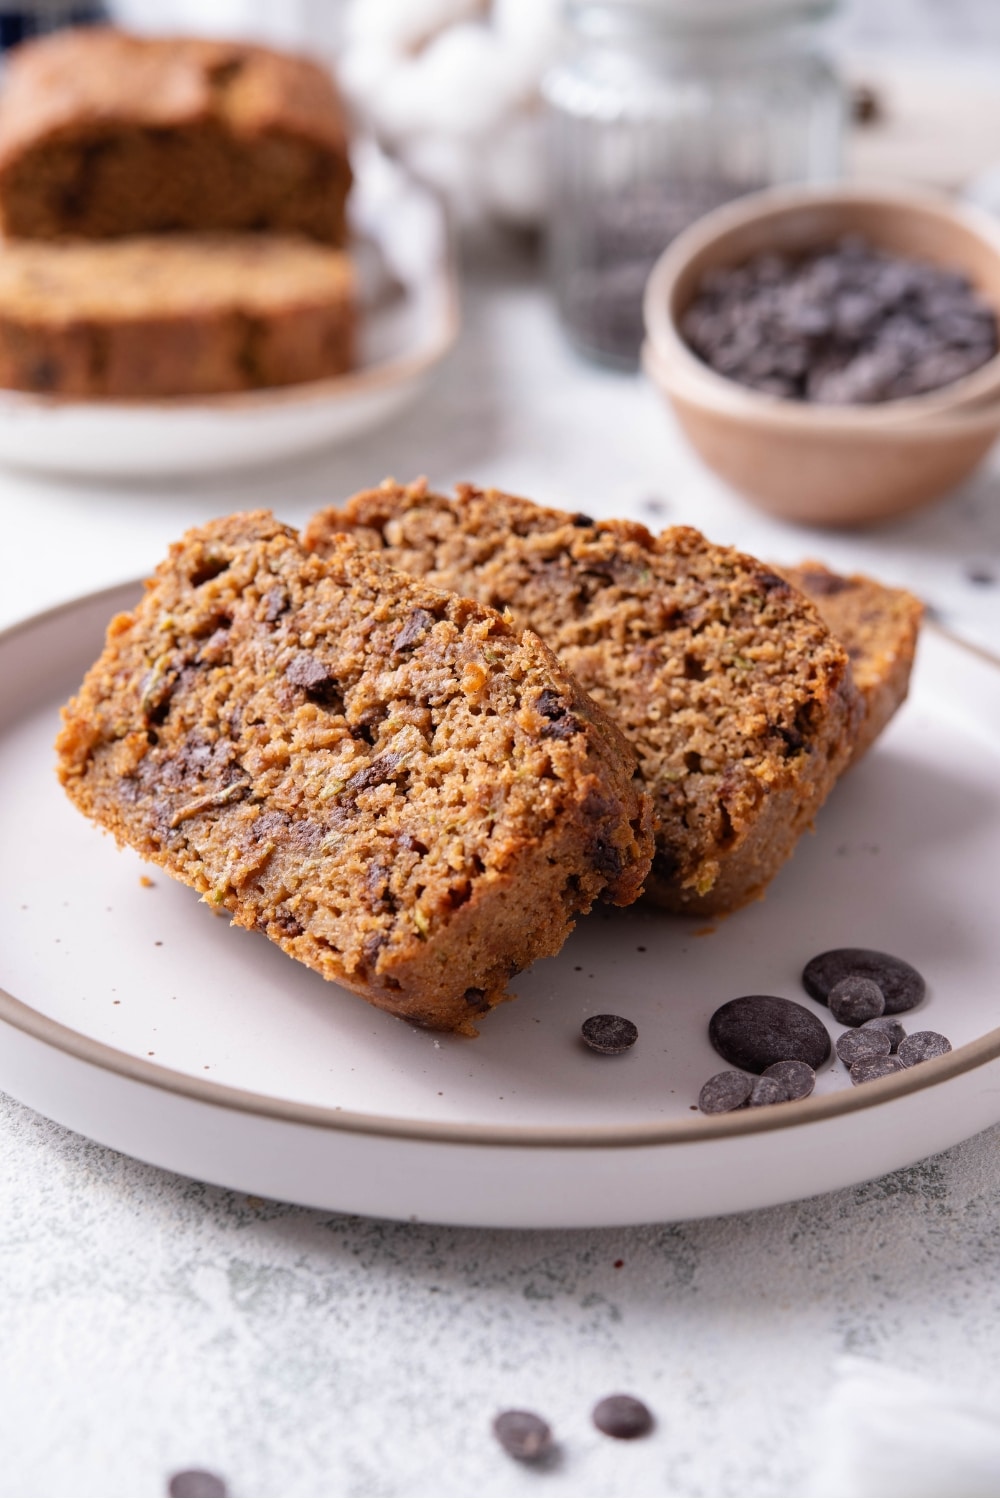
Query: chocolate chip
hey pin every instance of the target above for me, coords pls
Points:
(755, 1031)
(562, 724)
(825, 583)
(581, 520)
(845, 324)
(42, 375)
(275, 604)
(523, 1435)
(893, 1029)
(797, 1079)
(382, 768)
(866, 105)
(196, 1484)
(901, 985)
(867, 1069)
(418, 624)
(411, 842)
(623, 1417)
(725, 1092)
(852, 1046)
(854, 1000)
(921, 1046)
(476, 998)
(309, 673)
(610, 1034)
(766, 1091)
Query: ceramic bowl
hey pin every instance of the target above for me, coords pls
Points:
(826, 465)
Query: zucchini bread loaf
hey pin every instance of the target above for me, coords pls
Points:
(734, 694)
(173, 315)
(400, 788)
(878, 628)
(102, 134)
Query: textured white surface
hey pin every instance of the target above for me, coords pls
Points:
(150, 1324)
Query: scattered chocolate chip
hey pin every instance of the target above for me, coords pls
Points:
(866, 105)
(854, 1000)
(893, 1029)
(609, 1034)
(196, 1484)
(623, 1417)
(866, 1069)
(523, 1435)
(766, 1091)
(901, 985)
(755, 1031)
(921, 1046)
(984, 577)
(797, 1079)
(581, 520)
(852, 1046)
(724, 1093)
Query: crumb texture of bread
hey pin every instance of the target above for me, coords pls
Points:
(400, 788)
(103, 133)
(173, 315)
(878, 627)
(735, 696)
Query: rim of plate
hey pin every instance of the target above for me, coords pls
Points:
(83, 1048)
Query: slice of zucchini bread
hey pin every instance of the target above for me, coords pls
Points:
(173, 314)
(103, 133)
(737, 699)
(402, 789)
(878, 628)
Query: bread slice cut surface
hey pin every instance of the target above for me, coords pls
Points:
(737, 699)
(173, 315)
(403, 790)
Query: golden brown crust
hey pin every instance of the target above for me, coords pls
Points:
(401, 789)
(104, 134)
(736, 697)
(877, 626)
(173, 315)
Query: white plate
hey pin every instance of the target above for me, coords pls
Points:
(131, 1014)
(397, 224)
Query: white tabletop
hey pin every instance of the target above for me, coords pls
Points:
(151, 1324)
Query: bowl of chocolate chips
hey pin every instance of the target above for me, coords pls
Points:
(832, 353)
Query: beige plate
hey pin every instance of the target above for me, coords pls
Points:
(129, 1013)
(410, 322)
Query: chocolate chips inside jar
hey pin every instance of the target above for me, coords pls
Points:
(845, 325)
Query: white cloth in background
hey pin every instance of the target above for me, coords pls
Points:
(884, 1432)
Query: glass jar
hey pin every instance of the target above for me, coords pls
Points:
(658, 111)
